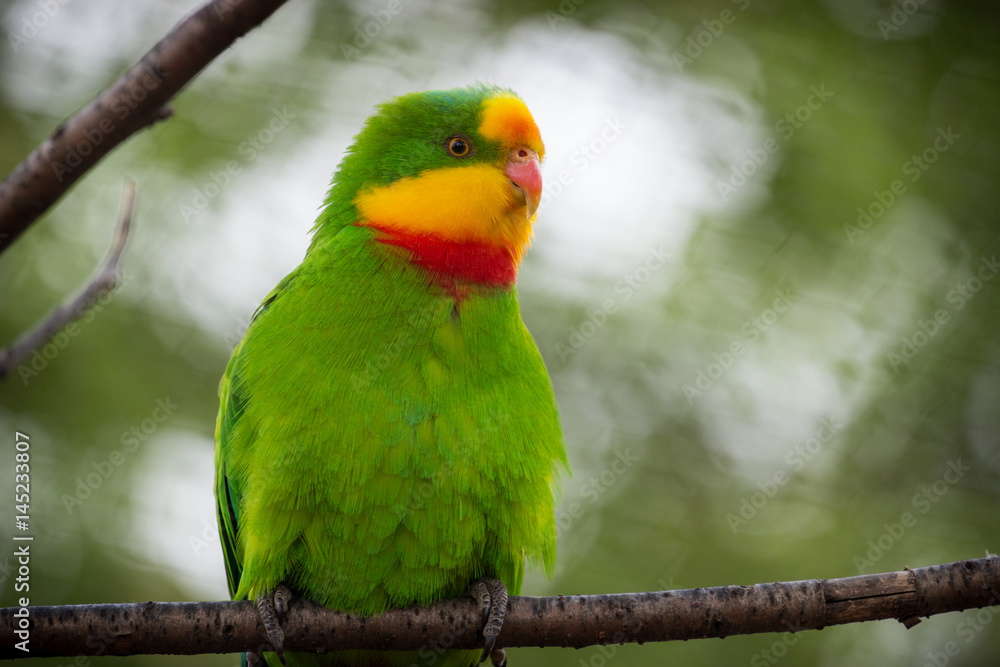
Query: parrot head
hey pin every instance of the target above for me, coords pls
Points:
(452, 176)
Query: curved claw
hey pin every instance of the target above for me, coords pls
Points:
(487, 650)
(269, 606)
(282, 596)
(491, 595)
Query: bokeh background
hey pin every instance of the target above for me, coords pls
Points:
(764, 281)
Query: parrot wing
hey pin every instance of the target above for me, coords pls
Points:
(227, 494)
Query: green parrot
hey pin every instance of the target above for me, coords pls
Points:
(388, 433)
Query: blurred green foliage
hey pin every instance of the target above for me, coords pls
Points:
(817, 362)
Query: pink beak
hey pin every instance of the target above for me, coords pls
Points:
(523, 171)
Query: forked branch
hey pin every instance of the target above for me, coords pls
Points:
(136, 100)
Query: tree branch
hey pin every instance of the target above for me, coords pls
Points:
(581, 620)
(133, 102)
(104, 281)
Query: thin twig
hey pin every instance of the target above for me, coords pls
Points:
(136, 100)
(104, 281)
(569, 621)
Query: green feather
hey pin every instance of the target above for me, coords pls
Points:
(378, 446)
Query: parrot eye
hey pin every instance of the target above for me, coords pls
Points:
(459, 146)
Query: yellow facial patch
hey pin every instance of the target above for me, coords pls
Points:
(469, 203)
(506, 119)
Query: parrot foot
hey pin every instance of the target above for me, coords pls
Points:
(491, 595)
(271, 607)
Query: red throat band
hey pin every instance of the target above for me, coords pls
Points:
(480, 263)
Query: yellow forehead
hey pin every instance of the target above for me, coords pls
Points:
(506, 119)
